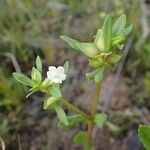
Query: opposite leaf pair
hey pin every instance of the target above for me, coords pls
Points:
(105, 49)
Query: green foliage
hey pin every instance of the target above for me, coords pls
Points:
(51, 102)
(71, 42)
(82, 138)
(36, 75)
(38, 63)
(107, 33)
(100, 119)
(96, 75)
(87, 48)
(72, 121)
(61, 115)
(144, 135)
(55, 90)
(66, 67)
(23, 79)
(119, 24)
(104, 51)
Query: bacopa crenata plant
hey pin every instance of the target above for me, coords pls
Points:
(105, 50)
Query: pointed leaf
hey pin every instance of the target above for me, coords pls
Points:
(88, 49)
(96, 75)
(107, 32)
(144, 134)
(120, 24)
(55, 90)
(71, 42)
(99, 40)
(36, 75)
(100, 119)
(66, 67)
(23, 79)
(38, 63)
(50, 102)
(61, 115)
(82, 138)
(128, 30)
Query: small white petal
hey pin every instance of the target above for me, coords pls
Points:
(60, 69)
(56, 75)
(52, 68)
(63, 77)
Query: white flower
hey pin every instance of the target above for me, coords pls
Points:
(56, 75)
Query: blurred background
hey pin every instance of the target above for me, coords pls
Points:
(29, 28)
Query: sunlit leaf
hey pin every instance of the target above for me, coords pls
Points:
(119, 24)
(107, 32)
(88, 49)
(39, 63)
(36, 75)
(71, 42)
(99, 40)
(61, 115)
(55, 90)
(50, 102)
(23, 79)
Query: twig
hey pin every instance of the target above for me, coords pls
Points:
(19, 141)
(2, 143)
(16, 66)
(14, 61)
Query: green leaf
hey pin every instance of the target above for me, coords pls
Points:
(119, 39)
(36, 75)
(96, 62)
(82, 138)
(99, 41)
(46, 83)
(128, 30)
(88, 49)
(144, 135)
(50, 102)
(115, 58)
(66, 67)
(72, 121)
(55, 90)
(38, 63)
(120, 24)
(61, 115)
(23, 79)
(107, 32)
(100, 119)
(71, 42)
(96, 75)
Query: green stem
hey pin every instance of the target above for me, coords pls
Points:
(75, 109)
(93, 111)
